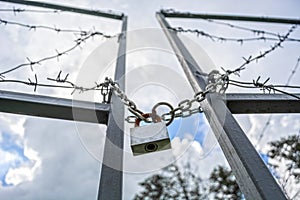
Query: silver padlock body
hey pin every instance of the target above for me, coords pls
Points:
(149, 138)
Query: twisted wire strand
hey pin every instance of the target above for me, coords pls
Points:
(254, 31)
(216, 38)
(22, 10)
(55, 29)
(293, 72)
(63, 83)
(264, 87)
(78, 42)
(261, 55)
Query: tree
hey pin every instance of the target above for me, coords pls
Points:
(223, 184)
(288, 151)
(285, 155)
(172, 183)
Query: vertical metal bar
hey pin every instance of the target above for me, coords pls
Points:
(253, 177)
(111, 178)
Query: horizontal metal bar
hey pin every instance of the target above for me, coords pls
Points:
(174, 14)
(51, 107)
(262, 103)
(68, 8)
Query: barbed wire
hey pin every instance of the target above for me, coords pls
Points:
(81, 37)
(254, 31)
(215, 38)
(63, 83)
(222, 80)
(75, 87)
(78, 42)
(251, 59)
(55, 29)
(263, 86)
(243, 28)
(268, 122)
(293, 72)
(21, 10)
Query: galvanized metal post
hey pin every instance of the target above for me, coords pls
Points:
(111, 179)
(253, 177)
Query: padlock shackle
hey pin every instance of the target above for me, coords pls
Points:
(157, 118)
(146, 115)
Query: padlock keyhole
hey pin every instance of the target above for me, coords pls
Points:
(150, 147)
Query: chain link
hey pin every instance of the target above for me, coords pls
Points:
(216, 82)
(123, 97)
(186, 107)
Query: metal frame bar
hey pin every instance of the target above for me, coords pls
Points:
(111, 180)
(245, 103)
(253, 177)
(174, 14)
(59, 108)
(68, 9)
(51, 107)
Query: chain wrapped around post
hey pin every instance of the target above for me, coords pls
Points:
(216, 82)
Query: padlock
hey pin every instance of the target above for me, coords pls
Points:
(149, 138)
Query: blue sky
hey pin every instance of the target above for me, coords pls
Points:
(70, 152)
(9, 146)
(188, 127)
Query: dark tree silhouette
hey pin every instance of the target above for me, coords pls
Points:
(287, 149)
(286, 153)
(172, 183)
(223, 184)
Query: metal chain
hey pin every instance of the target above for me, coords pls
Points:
(216, 82)
(127, 102)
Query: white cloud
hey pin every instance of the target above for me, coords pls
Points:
(7, 157)
(19, 175)
(197, 147)
(186, 149)
(12, 124)
(15, 166)
(27, 171)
